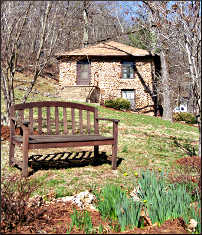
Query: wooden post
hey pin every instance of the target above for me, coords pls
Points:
(11, 154)
(96, 131)
(25, 150)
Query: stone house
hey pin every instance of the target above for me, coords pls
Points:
(109, 70)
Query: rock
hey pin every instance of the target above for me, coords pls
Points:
(35, 201)
(66, 199)
(83, 200)
(192, 225)
(134, 194)
(115, 172)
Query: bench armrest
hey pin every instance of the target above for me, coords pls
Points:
(19, 122)
(109, 119)
(23, 125)
(115, 126)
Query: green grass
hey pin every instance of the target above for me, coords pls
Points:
(144, 142)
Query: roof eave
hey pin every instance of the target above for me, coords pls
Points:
(58, 57)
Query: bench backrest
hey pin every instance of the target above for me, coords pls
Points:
(54, 117)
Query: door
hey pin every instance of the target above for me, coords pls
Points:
(130, 96)
(83, 73)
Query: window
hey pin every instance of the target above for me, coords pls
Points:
(127, 70)
(83, 72)
(130, 96)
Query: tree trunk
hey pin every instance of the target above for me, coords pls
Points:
(199, 147)
(85, 28)
(167, 110)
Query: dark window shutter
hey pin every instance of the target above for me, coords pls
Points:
(89, 72)
(78, 72)
(121, 69)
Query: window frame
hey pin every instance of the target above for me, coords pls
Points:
(128, 65)
(80, 70)
(133, 103)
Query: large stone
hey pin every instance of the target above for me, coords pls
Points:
(83, 200)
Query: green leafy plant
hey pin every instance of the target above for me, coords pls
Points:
(54, 182)
(109, 103)
(100, 229)
(186, 117)
(114, 204)
(125, 149)
(163, 200)
(82, 221)
(62, 191)
(119, 103)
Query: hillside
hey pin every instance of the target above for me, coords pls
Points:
(144, 143)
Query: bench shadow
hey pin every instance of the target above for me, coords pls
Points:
(64, 160)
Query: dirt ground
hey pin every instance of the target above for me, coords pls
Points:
(55, 218)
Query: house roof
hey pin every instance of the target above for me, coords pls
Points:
(110, 48)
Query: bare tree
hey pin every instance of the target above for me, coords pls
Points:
(32, 32)
(12, 32)
(177, 27)
(21, 20)
(188, 18)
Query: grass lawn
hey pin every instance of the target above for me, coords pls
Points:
(144, 142)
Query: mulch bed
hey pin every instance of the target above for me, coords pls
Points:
(56, 219)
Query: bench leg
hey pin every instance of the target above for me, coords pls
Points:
(11, 154)
(25, 148)
(96, 151)
(25, 161)
(114, 157)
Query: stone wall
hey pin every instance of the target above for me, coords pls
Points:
(106, 74)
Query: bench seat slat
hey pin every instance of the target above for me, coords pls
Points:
(88, 122)
(40, 120)
(21, 114)
(48, 120)
(73, 120)
(56, 121)
(31, 120)
(34, 139)
(81, 121)
(65, 120)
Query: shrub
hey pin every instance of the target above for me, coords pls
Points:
(114, 204)
(186, 117)
(15, 193)
(109, 103)
(119, 103)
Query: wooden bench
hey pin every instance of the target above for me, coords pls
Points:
(58, 124)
